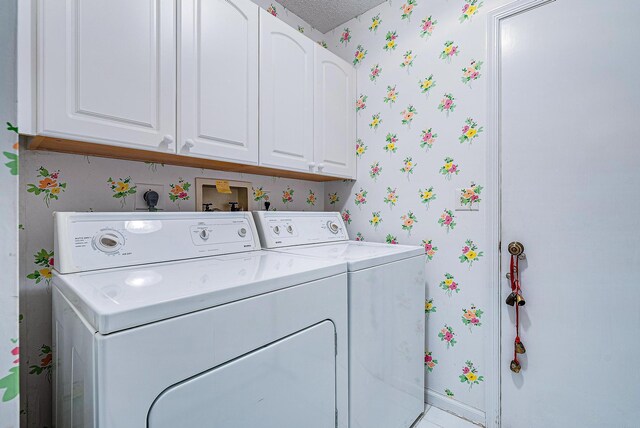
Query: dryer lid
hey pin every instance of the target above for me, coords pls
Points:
(357, 254)
(116, 299)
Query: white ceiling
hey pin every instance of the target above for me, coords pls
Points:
(325, 15)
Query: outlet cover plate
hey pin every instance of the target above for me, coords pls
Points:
(142, 188)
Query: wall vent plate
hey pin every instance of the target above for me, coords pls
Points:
(458, 203)
(141, 188)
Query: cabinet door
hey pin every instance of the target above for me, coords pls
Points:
(219, 80)
(106, 72)
(286, 96)
(335, 115)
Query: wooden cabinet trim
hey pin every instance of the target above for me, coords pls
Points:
(100, 150)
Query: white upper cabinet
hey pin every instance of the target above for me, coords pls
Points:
(335, 116)
(216, 79)
(286, 96)
(106, 72)
(218, 88)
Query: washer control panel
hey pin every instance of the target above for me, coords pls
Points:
(88, 241)
(282, 229)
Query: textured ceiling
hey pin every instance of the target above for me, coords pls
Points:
(325, 15)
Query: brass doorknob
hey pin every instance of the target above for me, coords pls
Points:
(515, 248)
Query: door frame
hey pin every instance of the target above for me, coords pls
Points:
(493, 217)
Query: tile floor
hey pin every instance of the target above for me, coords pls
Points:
(436, 418)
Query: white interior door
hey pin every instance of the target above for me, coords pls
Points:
(286, 96)
(290, 383)
(335, 114)
(219, 80)
(107, 72)
(570, 179)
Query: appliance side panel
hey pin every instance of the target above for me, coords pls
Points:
(73, 376)
(387, 336)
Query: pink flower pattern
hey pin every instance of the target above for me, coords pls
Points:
(429, 249)
(447, 335)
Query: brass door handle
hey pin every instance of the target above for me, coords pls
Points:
(515, 248)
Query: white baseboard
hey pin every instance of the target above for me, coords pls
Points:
(453, 406)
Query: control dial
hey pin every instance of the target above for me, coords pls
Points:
(333, 227)
(290, 229)
(242, 232)
(108, 241)
(276, 230)
(204, 234)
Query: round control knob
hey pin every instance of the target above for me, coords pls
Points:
(242, 232)
(333, 227)
(109, 241)
(204, 234)
(276, 230)
(290, 229)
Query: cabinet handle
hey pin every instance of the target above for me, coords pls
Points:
(188, 145)
(166, 142)
(312, 165)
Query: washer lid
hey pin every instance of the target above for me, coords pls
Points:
(357, 254)
(116, 299)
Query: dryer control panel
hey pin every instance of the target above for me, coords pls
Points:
(89, 241)
(283, 229)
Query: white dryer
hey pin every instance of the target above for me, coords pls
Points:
(180, 320)
(386, 315)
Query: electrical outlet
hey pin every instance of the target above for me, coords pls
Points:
(140, 204)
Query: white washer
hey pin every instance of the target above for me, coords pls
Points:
(180, 320)
(386, 315)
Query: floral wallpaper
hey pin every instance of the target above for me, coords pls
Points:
(9, 168)
(420, 154)
(57, 182)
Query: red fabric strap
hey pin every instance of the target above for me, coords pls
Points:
(515, 288)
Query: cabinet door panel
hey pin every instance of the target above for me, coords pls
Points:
(106, 72)
(335, 118)
(286, 95)
(219, 80)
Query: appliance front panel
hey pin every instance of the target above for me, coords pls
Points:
(290, 383)
(89, 241)
(283, 229)
(151, 359)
